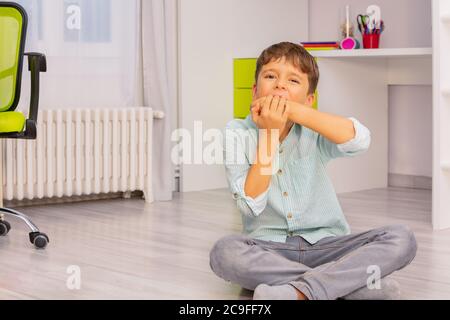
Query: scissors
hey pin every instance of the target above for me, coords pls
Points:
(372, 23)
(379, 28)
(363, 22)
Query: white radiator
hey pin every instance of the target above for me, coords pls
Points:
(82, 152)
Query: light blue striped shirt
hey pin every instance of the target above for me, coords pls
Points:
(301, 199)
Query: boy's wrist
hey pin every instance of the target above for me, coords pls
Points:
(267, 135)
(295, 112)
(267, 147)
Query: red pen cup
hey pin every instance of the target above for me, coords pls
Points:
(371, 41)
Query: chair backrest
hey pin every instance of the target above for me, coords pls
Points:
(13, 26)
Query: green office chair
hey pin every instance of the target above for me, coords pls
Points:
(13, 125)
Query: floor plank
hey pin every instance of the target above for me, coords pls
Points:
(127, 249)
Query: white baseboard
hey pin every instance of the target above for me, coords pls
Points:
(409, 181)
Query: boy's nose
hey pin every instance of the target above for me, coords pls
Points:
(281, 91)
(281, 85)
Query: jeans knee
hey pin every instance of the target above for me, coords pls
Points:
(224, 252)
(405, 241)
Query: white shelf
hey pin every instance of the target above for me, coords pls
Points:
(382, 53)
(445, 166)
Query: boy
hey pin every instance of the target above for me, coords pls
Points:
(296, 242)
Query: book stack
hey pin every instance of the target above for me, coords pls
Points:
(327, 45)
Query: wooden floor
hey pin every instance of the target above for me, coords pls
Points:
(127, 249)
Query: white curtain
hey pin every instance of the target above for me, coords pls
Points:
(107, 54)
(159, 59)
(91, 48)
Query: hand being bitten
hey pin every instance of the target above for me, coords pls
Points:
(270, 112)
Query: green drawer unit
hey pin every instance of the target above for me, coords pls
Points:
(244, 73)
(242, 101)
(244, 78)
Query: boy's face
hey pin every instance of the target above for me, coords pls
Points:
(282, 78)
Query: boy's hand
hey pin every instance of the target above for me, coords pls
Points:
(270, 112)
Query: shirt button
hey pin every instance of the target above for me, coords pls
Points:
(281, 151)
(291, 234)
(285, 194)
(289, 215)
(280, 172)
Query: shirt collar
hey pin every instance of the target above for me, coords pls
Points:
(292, 135)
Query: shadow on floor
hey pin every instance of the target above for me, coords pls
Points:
(245, 294)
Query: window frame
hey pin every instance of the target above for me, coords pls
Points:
(53, 35)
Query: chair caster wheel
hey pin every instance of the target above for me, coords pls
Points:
(39, 239)
(4, 228)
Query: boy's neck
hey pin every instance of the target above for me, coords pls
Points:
(286, 130)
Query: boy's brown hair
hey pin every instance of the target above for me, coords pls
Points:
(295, 54)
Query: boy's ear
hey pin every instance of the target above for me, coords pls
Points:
(254, 91)
(310, 100)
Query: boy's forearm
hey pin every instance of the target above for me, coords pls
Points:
(333, 127)
(256, 183)
(260, 173)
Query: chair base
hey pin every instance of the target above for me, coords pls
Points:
(39, 239)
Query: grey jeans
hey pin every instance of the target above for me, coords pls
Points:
(329, 269)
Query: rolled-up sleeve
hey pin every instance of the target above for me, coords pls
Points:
(359, 144)
(246, 204)
(237, 166)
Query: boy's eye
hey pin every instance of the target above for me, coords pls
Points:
(269, 76)
(295, 80)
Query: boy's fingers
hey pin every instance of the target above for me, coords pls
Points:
(258, 101)
(266, 105)
(256, 107)
(255, 111)
(255, 114)
(274, 105)
(281, 106)
(258, 104)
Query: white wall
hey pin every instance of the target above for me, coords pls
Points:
(342, 92)
(408, 24)
(212, 33)
(410, 134)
